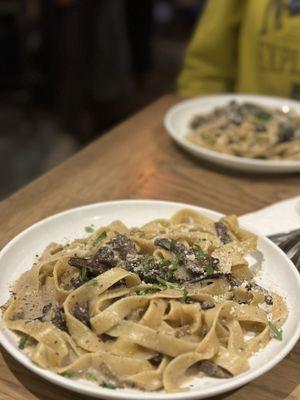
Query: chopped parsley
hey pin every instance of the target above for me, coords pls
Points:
(94, 281)
(90, 376)
(108, 385)
(184, 296)
(22, 342)
(144, 292)
(67, 374)
(149, 259)
(275, 332)
(175, 262)
(166, 243)
(209, 270)
(263, 115)
(147, 267)
(98, 239)
(163, 263)
(170, 273)
(140, 292)
(89, 229)
(201, 253)
(83, 273)
(167, 284)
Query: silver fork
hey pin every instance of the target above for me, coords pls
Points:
(289, 242)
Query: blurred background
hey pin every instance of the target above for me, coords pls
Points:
(72, 69)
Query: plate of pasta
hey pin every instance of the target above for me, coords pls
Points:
(244, 132)
(142, 299)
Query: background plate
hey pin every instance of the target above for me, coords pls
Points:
(19, 254)
(178, 118)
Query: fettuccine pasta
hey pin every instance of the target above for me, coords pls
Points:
(248, 130)
(148, 307)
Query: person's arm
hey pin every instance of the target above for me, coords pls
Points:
(211, 59)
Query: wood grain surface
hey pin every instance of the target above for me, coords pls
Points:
(138, 160)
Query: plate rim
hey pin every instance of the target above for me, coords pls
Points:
(211, 155)
(98, 392)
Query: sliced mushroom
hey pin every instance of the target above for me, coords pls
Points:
(222, 232)
(149, 268)
(81, 312)
(217, 275)
(212, 369)
(46, 308)
(233, 281)
(255, 286)
(77, 282)
(197, 121)
(79, 262)
(235, 113)
(123, 245)
(156, 359)
(58, 319)
(205, 305)
(163, 243)
(101, 262)
(105, 256)
(259, 127)
(45, 313)
(285, 132)
(187, 256)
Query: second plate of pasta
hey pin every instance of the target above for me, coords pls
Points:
(244, 132)
(145, 300)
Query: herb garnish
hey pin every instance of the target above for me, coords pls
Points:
(149, 261)
(89, 376)
(83, 273)
(167, 284)
(67, 374)
(166, 243)
(89, 229)
(98, 239)
(175, 262)
(263, 115)
(199, 248)
(184, 296)
(94, 281)
(22, 342)
(144, 292)
(140, 292)
(170, 273)
(209, 270)
(163, 263)
(107, 385)
(275, 332)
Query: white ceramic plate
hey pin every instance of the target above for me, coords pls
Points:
(18, 255)
(178, 118)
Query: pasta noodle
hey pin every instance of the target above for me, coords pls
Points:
(148, 307)
(248, 130)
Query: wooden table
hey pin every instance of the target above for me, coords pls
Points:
(138, 160)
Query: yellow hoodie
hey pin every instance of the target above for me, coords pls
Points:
(246, 46)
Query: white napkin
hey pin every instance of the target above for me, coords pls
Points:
(279, 217)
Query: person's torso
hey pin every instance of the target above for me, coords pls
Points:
(269, 48)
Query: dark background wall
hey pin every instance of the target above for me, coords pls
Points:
(71, 69)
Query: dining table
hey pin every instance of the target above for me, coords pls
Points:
(138, 160)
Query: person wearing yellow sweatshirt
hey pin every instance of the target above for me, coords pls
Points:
(244, 46)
